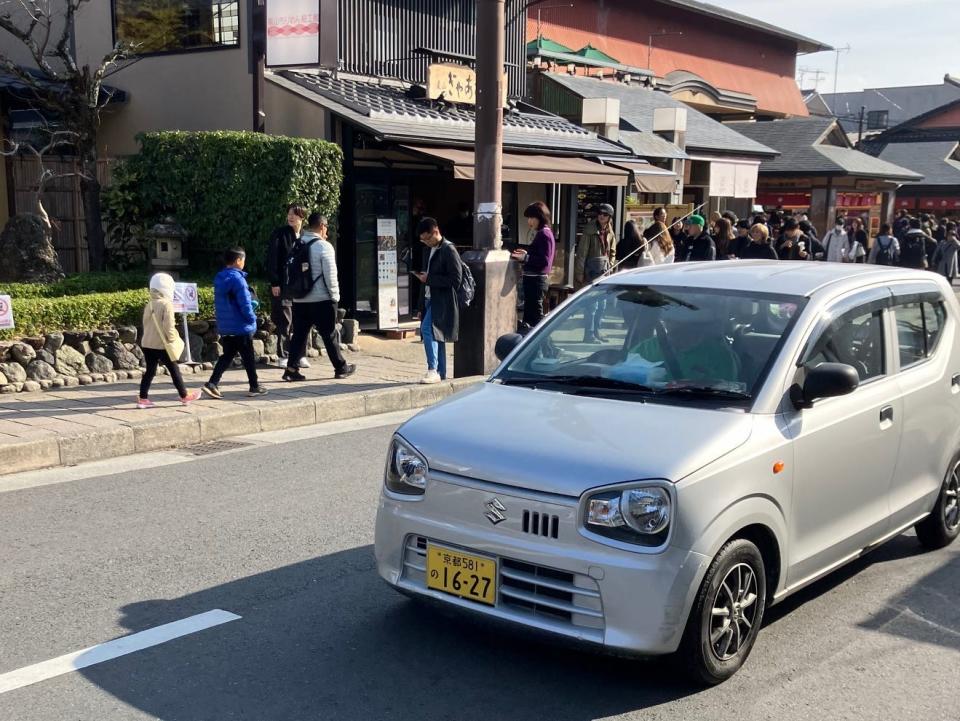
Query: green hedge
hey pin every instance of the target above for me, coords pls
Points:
(232, 188)
(93, 311)
(76, 285)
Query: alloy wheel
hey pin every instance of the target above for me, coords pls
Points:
(735, 610)
(951, 501)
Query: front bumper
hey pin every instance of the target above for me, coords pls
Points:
(550, 577)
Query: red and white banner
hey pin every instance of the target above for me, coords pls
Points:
(293, 32)
(6, 312)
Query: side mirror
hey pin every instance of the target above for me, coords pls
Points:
(827, 380)
(506, 344)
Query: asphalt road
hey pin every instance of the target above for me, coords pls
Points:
(281, 536)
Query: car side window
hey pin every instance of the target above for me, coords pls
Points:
(919, 327)
(854, 338)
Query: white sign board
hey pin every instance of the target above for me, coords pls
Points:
(388, 311)
(185, 299)
(6, 312)
(293, 32)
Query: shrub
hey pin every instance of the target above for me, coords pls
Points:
(232, 188)
(123, 221)
(77, 285)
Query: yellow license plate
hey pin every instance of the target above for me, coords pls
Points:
(463, 575)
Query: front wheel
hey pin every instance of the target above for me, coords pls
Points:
(726, 617)
(942, 526)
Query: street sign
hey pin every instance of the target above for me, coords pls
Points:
(185, 298)
(6, 312)
(388, 312)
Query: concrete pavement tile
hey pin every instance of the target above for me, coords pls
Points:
(51, 424)
(166, 433)
(291, 414)
(387, 401)
(229, 423)
(91, 420)
(96, 445)
(339, 407)
(27, 455)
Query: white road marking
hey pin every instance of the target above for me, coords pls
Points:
(112, 649)
(157, 459)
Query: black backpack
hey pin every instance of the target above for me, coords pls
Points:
(468, 286)
(298, 278)
(913, 253)
(885, 252)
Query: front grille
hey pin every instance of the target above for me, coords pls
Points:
(525, 589)
(540, 524)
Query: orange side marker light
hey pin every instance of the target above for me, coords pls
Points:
(778, 467)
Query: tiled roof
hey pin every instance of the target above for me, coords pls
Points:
(648, 145)
(389, 111)
(799, 142)
(637, 105)
(902, 104)
(932, 160)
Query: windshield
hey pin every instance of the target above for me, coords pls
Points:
(675, 344)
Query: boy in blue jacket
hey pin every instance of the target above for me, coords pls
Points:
(236, 323)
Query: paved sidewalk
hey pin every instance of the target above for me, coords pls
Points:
(72, 425)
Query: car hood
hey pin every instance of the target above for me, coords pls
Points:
(560, 443)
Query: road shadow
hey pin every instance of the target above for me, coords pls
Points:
(326, 638)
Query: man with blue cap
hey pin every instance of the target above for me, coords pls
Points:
(700, 245)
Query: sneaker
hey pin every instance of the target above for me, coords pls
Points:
(431, 378)
(291, 375)
(258, 391)
(212, 391)
(143, 403)
(304, 363)
(190, 398)
(348, 370)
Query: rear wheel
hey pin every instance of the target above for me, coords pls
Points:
(726, 617)
(942, 526)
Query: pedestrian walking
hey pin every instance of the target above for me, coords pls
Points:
(679, 238)
(660, 243)
(725, 240)
(915, 248)
(537, 262)
(236, 323)
(886, 248)
(441, 309)
(901, 225)
(596, 254)
(632, 249)
(656, 228)
(836, 241)
(161, 344)
(945, 257)
(759, 247)
(317, 306)
(700, 245)
(742, 241)
(281, 243)
(859, 235)
(794, 245)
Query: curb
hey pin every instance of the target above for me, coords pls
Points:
(168, 433)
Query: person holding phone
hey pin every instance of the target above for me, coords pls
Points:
(537, 262)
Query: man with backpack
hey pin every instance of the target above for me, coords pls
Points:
(310, 277)
(886, 249)
(916, 246)
(836, 242)
(444, 282)
(281, 243)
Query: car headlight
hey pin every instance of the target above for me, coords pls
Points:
(406, 470)
(635, 515)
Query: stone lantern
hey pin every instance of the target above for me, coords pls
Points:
(169, 240)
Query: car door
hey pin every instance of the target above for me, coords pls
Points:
(845, 448)
(927, 366)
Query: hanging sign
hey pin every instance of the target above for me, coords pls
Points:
(388, 312)
(6, 312)
(293, 32)
(185, 298)
(456, 84)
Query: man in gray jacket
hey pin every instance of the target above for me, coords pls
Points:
(318, 308)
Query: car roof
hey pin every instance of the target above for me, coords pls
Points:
(767, 276)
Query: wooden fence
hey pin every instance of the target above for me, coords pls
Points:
(61, 199)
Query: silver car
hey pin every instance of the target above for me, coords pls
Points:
(677, 448)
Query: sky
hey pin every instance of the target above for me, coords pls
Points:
(892, 42)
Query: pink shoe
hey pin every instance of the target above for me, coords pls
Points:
(145, 403)
(190, 397)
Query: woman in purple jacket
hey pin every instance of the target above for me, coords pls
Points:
(537, 261)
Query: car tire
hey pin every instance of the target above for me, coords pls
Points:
(714, 646)
(942, 526)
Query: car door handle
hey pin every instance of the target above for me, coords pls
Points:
(955, 381)
(886, 414)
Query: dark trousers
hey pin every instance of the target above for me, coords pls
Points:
(535, 289)
(154, 358)
(232, 345)
(281, 315)
(323, 316)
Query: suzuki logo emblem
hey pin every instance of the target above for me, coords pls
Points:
(495, 511)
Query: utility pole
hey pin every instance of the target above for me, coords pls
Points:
(863, 109)
(836, 73)
(494, 310)
(258, 59)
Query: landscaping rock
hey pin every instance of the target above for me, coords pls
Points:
(5, 347)
(17, 387)
(74, 338)
(71, 381)
(30, 387)
(14, 372)
(103, 337)
(258, 349)
(136, 351)
(45, 385)
(211, 353)
(110, 377)
(8, 389)
(46, 356)
(98, 363)
(270, 345)
(351, 329)
(35, 343)
(23, 353)
(313, 353)
(121, 358)
(39, 370)
(198, 326)
(52, 342)
(70, 362)
(57, 383)
(29, 256)
(84, 380)
(128, 333)
(261, 335)
(3, 379)
(353, 347)
(96, 377)
(196, 348)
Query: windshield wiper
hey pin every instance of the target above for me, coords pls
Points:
(580, 383)
(705, 392)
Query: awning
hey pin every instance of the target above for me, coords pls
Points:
(732, 177)
(518, 168)
(647, 178)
